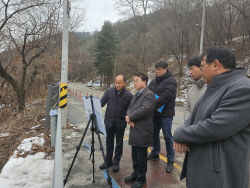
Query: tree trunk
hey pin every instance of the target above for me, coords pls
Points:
(21, 99)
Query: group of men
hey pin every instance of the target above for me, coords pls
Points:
(215, 136)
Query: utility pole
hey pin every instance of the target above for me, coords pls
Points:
(202, 26)
(64, 66)
(61, 119)
(114, 70)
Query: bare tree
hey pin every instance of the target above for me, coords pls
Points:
(177, 33)
(137, 10)
(26, 28)
(222, 23)
(31, 28)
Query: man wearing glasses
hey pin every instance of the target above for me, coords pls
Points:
(216, 137)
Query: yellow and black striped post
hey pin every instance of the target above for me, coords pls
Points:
(63, 95)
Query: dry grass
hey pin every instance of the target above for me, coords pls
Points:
(18, 125)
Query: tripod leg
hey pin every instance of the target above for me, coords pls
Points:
(93, 150)
(101, 148)
(77, 150)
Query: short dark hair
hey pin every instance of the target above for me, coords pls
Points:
(194, 61)
(162, 64)
(223, 54)
(124, 77)
(143, 76)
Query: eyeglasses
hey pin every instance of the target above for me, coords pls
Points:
(203, 65)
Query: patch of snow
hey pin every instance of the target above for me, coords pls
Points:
(73, 134)
(32, 171)
(179, 99)
(29, 172)
(42, 119)
(35, 126)
(68, 137)
(4, 134)
(26, 144)
(2, 105)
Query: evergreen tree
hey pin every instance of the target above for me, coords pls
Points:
(106, 49)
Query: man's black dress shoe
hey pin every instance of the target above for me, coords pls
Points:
(131, 178)
(139, 184)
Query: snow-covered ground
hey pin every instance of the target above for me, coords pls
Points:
(31, 171)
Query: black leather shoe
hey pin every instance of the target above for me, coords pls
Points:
(153, 157)
(170, 166)
(102, 166)
(139, 184)
(116, 166)
(130, 179)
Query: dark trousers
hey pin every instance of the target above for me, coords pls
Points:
(139, 158)
(111, 134)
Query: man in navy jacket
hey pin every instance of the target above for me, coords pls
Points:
(164, 86)
(117, 99)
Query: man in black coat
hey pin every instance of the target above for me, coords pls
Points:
(164, 86)
(117, 99)
(140, 118)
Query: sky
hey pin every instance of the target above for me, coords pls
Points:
(98, 11)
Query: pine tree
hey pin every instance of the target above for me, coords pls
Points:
(106, 49)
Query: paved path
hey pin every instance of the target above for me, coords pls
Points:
(82, 172)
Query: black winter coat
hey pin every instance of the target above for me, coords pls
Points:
(165, 87)
(116, 109)
(141, 112)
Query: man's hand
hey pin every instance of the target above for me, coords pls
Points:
(181, 147)
(127, 119)
(132, 124)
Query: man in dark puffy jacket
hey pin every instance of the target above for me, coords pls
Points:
(117, 99)
(164, 86)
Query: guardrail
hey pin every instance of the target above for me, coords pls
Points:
(55, 113)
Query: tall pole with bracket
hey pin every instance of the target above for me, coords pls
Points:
(64, 67)
(58, 166)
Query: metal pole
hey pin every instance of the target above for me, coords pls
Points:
(202, 26)
(114, 70)
(65, 51)
(53, 129)
(48, 107)
(61, 121)
(58, 167)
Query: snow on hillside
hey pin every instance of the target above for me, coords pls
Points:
(22, 170)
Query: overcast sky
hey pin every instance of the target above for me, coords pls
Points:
(97, 12)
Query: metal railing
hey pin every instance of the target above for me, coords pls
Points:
(55, 113)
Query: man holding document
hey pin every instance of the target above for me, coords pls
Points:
(164, 87)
